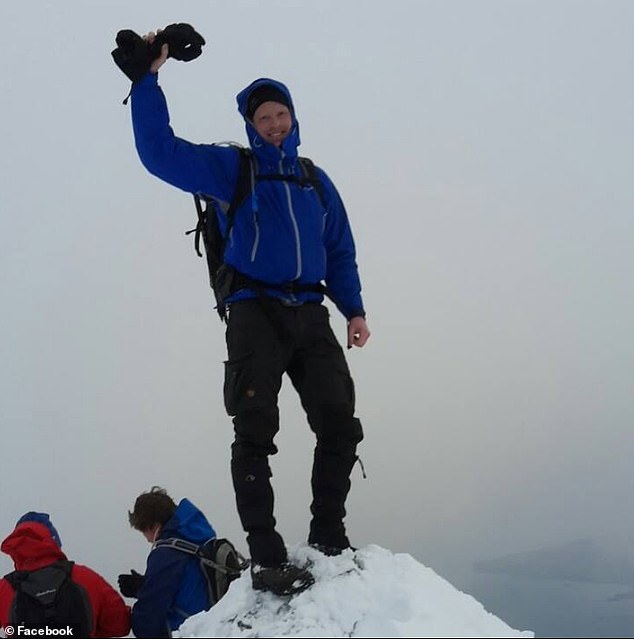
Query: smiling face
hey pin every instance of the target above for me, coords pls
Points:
(273, 122)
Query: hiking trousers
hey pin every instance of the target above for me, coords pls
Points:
(266, 339)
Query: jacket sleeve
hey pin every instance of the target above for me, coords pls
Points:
(195, 168)
(163, 577)
(111, 614)
(342, 274)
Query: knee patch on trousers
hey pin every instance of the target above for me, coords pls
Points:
(336, 429)
(254, 432)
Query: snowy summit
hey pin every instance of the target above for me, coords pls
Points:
(368, 593)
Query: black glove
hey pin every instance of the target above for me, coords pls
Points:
(134, 55)
(185, 43)
(130, 583)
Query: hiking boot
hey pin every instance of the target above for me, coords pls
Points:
(285, 579)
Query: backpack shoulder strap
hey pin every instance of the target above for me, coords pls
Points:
(221, 549)
(310, 172)
(13, 578)
(244, 185)
(66, 565)
(208, 227)
(177, 544)
(195, 551)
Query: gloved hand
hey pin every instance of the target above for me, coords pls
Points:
(130, 583)
(134, 55)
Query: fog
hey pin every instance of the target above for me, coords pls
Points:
(485, 153)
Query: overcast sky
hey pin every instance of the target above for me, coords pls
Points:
(485, 153)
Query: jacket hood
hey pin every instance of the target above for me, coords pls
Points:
(31, 546)
(265, 149)
(188, 523)
(42, 518)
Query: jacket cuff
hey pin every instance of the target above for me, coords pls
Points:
(355, 312)
(147, 80)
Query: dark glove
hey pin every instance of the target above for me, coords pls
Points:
(134, 55)
(130, 583)
(185, 43)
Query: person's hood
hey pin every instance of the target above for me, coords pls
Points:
(261, 148)
(188, 523)
(31, 546)
(41, 518)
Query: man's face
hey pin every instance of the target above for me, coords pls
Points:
(273, 122)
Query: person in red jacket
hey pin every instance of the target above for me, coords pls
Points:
(35, 544)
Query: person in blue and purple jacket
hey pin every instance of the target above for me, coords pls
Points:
(283, 241)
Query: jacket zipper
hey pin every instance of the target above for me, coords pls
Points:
(291, 213)
(256, 241)
(255, 208)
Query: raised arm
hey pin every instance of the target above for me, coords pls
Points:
(195, 168)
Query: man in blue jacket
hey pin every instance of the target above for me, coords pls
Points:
(174, 586)
(288, 238)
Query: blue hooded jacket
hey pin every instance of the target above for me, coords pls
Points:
(282, 232)
(174, 587)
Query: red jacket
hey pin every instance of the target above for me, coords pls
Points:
(31, 547)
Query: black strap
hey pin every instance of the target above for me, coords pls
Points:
(242, 281)
(199, 226)
(244, 186)
(302, 181)
(247, 176)
(242, 189)
(311, 173)
(309, 179)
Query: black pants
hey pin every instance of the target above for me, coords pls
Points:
(265, 340)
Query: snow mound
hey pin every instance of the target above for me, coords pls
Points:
(368, 593)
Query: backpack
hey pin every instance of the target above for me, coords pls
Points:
(225, 280)
(48, 597)
(219, 560)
